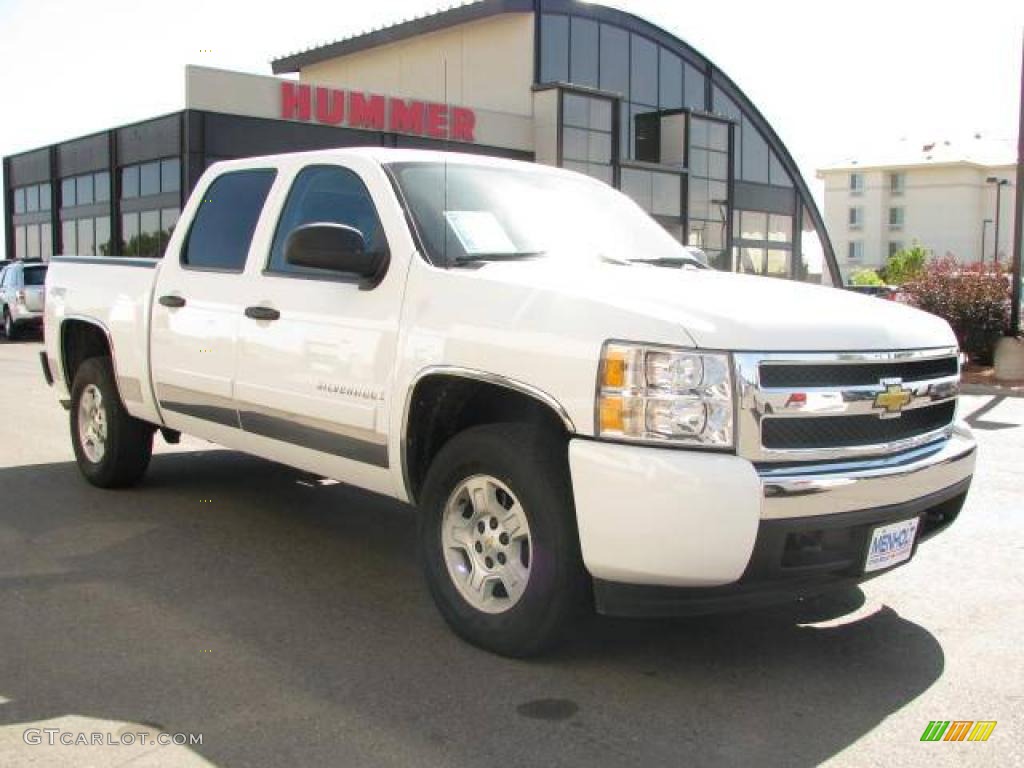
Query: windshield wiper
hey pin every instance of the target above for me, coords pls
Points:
(503, 256)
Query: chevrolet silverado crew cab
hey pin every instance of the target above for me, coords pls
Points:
(582, 413)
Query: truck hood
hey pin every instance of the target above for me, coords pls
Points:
(721, 310)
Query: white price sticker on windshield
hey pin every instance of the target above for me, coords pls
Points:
(480, 232)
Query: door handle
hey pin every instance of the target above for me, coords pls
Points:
(262, 313)
(172, 301)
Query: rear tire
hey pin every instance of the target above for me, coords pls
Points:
(497, 509)
(10, 327)
(112, 448)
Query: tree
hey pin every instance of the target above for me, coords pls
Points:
(905, 265)
(866, 277)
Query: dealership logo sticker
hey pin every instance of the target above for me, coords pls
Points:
(958, 730)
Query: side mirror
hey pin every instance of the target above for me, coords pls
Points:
(336, 247)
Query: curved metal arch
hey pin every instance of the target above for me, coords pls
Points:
(63, 351)
(715, 76)
(473, 374)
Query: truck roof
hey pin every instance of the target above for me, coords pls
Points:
(381, 155)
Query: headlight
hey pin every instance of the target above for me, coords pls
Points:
(661, 394)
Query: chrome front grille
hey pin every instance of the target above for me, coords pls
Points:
(797, 407)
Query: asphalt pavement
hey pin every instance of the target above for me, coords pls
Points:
(282, 619)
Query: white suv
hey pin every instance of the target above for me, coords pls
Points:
(22, 296)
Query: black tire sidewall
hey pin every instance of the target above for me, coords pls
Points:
(125, 452)
(532, 464)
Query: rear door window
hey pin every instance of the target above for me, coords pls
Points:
(226, 219)
(35, 275)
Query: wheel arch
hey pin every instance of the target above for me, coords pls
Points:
(81, 338)
(444, 400)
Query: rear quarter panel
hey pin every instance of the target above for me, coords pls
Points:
(114, 295)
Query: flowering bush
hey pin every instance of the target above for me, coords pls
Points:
(973, 298)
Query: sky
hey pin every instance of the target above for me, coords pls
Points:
(834, 79)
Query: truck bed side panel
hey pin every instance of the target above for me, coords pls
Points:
(115, 295)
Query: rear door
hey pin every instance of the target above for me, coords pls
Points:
(314, 365)
(198, 304)
(34, 286)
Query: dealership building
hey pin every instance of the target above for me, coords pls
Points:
(578, 85)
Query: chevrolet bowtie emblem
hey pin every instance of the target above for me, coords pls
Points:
(894, 399)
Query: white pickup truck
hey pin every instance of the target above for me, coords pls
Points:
(583, 415)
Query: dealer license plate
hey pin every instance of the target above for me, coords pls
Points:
(890, 545)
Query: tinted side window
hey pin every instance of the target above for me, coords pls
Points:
(225, 220)
(35, 275)
(326, 193)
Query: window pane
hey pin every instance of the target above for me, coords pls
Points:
(670, 81)
(102, 191)
(103, 245)
(694, 87)
(780, 228)
(86, 238)
(554, 50)
(599, 147)
(755, 154)
(583, 59)
(45, 240)
(643, 72)
(130, 234)
(44, 197)
(19, 242)
(32, 199)
(170, 175)
(149, 179)
(718, 135)
(575, 110)
(776, 173)
(332, 194)
(637, 184)
(130, 182)
(223, 225)
(19, 200)
(574, 144)
(601, 114)
(614, 60)
(149, 233)
(83, 187)
(667, 195)
(753, 225)
(32, 240)
(718, 165)
(752, 260)
(169, 220)
(68, 235)
(67, 193)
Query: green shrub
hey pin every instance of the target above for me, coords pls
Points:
(973, 298)
(905, 265)
(866, 277)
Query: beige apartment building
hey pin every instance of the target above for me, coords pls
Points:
(949, 196)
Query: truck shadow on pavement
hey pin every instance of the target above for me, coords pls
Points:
(285, 620)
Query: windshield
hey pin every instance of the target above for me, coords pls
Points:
(467, 212)
(35, 275)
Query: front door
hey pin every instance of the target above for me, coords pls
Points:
(316, 348)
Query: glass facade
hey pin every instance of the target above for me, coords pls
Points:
(85, 215)
(715, 178)
(147, 221)
(32, 221)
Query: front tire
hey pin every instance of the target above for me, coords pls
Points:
(112, 448)
(498, 538)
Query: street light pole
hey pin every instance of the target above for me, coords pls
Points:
(1018, 219)
(984, 237)
(1000, 183)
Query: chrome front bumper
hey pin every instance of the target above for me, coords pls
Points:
(829, 488)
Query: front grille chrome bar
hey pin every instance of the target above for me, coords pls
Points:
(757, 403)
